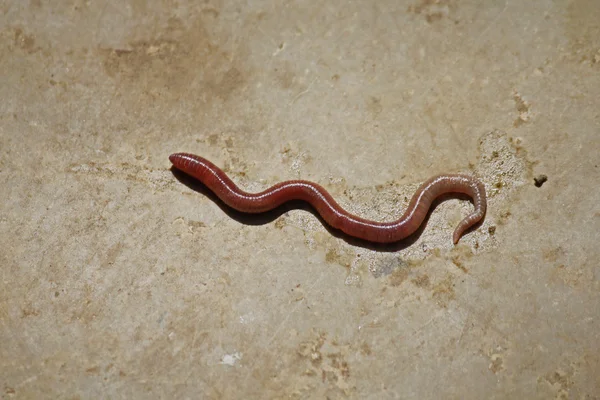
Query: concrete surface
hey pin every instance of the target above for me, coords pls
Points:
(120, 281)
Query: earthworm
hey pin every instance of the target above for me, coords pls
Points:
(378, 232)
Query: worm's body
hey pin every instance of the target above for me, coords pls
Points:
(379, 232)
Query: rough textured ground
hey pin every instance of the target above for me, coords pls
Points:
(119, 281)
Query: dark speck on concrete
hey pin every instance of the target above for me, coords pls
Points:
(539, 180)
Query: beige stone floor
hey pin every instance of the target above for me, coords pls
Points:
(119, 281)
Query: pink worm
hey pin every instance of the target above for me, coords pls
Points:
(379, 232)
